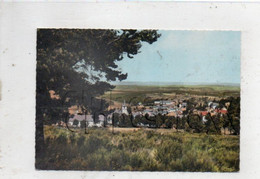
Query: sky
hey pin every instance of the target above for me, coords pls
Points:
(187, 57)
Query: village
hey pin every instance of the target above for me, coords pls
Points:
(170, 108)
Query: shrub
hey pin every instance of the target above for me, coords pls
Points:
(141, 150)
(168, 151)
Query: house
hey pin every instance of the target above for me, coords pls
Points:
(155, 107)
(171, 110)
(149, 112)
(172, 113)
(157, 102)
(184, 105)
(204, 113)
(164, 103)
(221, 111)
(140, 106)
(137, 113)
(80, 118)
(164, 112)
(214, 105)
(109, 118)
(167, 103)
(89, 120)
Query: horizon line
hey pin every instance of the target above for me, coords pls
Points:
(174, 83)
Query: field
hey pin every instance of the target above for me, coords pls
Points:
(138, 93)
(140, 150)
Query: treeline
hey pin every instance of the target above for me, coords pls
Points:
(190, 123)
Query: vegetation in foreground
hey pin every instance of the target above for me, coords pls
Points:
(140, 150)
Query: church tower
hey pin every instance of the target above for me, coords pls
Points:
(124, 109)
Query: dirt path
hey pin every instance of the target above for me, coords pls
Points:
(128, 129)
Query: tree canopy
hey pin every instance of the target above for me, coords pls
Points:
(76, 60)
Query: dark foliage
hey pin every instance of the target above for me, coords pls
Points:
(62, 54)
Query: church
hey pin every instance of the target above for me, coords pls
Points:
(124, 109)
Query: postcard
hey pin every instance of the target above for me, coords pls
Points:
(138, 100)
(129, 90)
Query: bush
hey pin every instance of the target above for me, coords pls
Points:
(141, 151)
(168, 151)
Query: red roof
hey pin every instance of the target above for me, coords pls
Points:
(221, 111)
(204, 113)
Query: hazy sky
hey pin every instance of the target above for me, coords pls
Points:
(187, 56)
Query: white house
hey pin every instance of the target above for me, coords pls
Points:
(89, 120)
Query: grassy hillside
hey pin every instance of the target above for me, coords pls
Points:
(139, 151)
(178, 87)
(139, 93)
